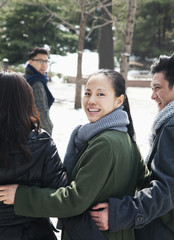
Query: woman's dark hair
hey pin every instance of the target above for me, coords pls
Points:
(119, 86)
(18, 116)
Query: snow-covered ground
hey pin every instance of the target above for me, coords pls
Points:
(67, 65)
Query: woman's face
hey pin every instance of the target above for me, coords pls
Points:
(99, 98)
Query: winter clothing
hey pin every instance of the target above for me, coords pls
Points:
(44, 170)
(36, 76)
(116, 120)
(150, 203)
(42, 95)
(105, 167)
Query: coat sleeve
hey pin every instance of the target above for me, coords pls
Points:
(42, 106)
(82, 227)
(75, 198)
(54, 175)
(151, 202)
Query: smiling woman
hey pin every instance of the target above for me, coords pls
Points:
(102, 158)
(100, 98)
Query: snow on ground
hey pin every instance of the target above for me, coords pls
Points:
(67, 65)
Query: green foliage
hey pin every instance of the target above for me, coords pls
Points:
(119, 9)
(24, 26)
(154, 29)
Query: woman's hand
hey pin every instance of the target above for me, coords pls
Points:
(100, 215)
(7, 193)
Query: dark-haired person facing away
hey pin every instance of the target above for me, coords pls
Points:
(36, 75)
(102, 158)
(29, 156)
(151, 212)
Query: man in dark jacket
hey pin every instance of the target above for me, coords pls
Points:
(36, 76)
(145, 211)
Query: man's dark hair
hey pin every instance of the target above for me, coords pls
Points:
(36, 51)
(165, 64)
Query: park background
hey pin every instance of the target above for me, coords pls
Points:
(82, 36)
(126, 34)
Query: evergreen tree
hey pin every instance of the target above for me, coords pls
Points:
(25, 26)
(154, 29)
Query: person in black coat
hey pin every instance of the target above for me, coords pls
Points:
(29, 156)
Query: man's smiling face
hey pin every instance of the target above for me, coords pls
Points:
(161, 94)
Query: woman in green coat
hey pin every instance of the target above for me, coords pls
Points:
(102, 159)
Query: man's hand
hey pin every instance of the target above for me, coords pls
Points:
(100, 215)
(7, 193)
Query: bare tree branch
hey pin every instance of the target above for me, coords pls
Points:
(113, 18)
(53, 15)
(97, 26)
(63, 21)
(92, 7)
(77, 2)
(2, 3)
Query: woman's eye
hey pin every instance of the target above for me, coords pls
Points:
(100, 94)
(87, 94)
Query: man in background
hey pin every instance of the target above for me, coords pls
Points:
(36, 76)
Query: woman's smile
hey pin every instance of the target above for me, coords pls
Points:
(99, 98)
(93, 110)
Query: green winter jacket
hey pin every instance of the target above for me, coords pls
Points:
(111, 166)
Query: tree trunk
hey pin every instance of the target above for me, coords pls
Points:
(80, 54)
(124, 63)
(106, 49)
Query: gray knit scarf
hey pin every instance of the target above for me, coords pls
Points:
(160, 120)
(117, 120)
